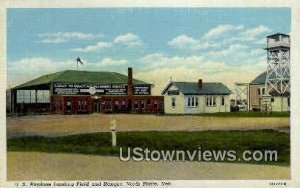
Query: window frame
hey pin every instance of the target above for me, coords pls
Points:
(211, 101)
(84, 105)
(193, 102)
(79, 105)
(222, 100)
(142, 104)
(173, 102)
(68, 106)
(261, 91)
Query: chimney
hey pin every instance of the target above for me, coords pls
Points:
(200, 84)
(130, 86)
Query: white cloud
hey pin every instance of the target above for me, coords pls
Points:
(209, 61)
(157, 68)
(161, 76)
(32, 64)
(111, 62)
(258, 52)
(260, 41)
(189, 43)
(222, 36)
(236, 55)
(61, 37)
(53, 40)
(256, 35)
(152, 57)
(158, 60)
(183, 40)
(92, 48)
(230, 50)
(129, 40)
(27, 69)
(220, 29)
(254, 32)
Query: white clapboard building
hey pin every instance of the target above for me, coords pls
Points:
(196, 97)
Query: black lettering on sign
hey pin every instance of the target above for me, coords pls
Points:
(88, 89)
(98, 89)
(142, 90)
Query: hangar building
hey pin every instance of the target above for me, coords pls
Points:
(76, 92)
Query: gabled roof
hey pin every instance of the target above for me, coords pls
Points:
(208, 88)
(72, 76)
(260, 79)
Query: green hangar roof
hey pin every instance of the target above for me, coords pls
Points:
(73, 76)
(260, 79)
(208, 88)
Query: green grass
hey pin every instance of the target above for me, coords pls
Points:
(238, 114)
(100, 143)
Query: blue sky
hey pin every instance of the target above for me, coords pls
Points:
(159, 43)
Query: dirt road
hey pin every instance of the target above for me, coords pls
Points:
(45, 166)
(56, 125)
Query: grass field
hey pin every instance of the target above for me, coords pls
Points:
(100, 143)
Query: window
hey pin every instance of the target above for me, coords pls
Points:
(57, 105)
(69, 106)
(261, 91)
(83, 104)
(136, 105)
(173, 102)
(289, 101)
(79, 105)
(142, 104)
(192, 101)
(155, 104)
(108, 105)
(222, 100)
(211, 101)
(272, 99)
(123, 104)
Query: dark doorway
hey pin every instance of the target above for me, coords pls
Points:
(129, 106)
(96, 106)
(69, 106)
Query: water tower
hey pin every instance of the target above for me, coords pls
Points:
(278, 64)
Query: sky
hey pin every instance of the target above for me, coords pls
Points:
(183, 44)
